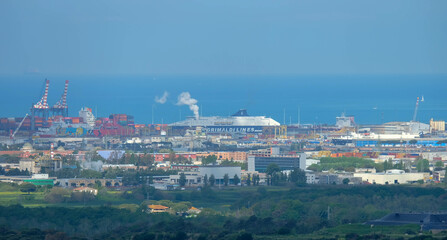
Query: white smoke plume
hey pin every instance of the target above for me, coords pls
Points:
(185, 99)
(163, 98)
(93, 165)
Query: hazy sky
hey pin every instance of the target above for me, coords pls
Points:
(223, 37)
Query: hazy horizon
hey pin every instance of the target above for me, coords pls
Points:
(371, 99)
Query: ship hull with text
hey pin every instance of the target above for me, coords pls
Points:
(239, 122)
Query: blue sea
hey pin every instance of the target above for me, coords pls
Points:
(307, 99)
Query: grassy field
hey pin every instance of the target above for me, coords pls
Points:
(37, 199)
(16, 197)
(221, 198)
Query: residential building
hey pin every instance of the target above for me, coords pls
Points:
(194, 210)
(311, 178)
(122, 166)
(328, 178)
(157, 208)
(235, 156)
(28, 164)
(437, 126)
(185, 167)
(439, 176)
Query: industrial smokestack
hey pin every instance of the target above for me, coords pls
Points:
(185, 99)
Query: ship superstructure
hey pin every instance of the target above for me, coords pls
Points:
(87, 115)
(238, 122)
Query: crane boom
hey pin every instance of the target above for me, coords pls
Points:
(20, 124)
(42, 104)
(415, 110)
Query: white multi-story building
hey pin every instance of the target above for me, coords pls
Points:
(86, 114)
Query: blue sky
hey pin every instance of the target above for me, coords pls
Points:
(223, 37)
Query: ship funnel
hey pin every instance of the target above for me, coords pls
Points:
(241, 113)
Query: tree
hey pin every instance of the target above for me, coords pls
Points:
(298, 176)
(182, 159)
(346, 181)
(439, 166)
(131, 178)
(422, 165)
(226, 179)
(236, 180)
(387, 165)
(210, 159)
(275, 178)
(212, 180)
(27, 187)
(271, 171)
(245, 236)
(248, 179)
(256, 180)
(57, 195)
(271, 168)
(399, 165)
(88, 173)
(81, 197)
(97, 184)
(413, 141)
(205, 180)
(17, 172)
(182, 180)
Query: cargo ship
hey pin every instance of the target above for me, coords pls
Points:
(240, 122)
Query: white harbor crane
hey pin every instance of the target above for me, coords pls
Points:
(415, 110)
(17, 129)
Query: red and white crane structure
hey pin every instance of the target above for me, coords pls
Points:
(41, 108)
(61, 107)
(42, 104)
(416, 109)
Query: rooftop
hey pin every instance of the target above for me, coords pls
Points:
(158, 207)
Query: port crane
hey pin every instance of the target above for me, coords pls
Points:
(41, 107)
(61, 106)
(416, 110)
(17, 129)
